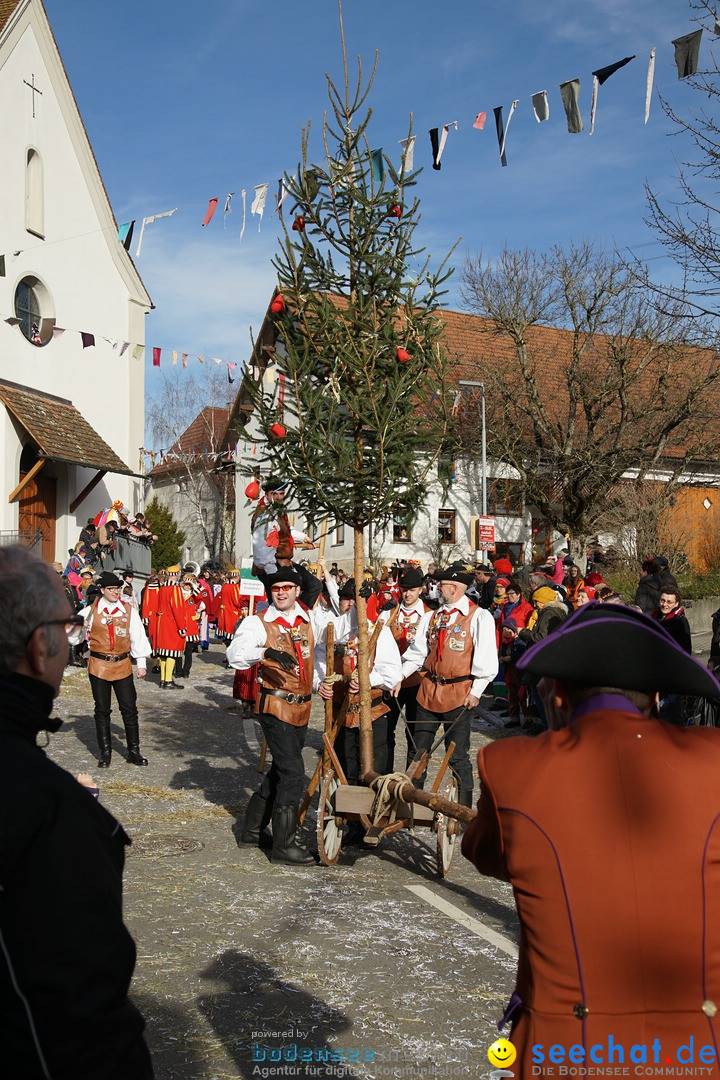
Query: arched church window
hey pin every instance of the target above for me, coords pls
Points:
(34, 194)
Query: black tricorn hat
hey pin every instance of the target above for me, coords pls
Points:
(412, 578)
(275, 483)
(109, 581)
(456, 572)
(347, 591)
(283, 577)
(613, 645)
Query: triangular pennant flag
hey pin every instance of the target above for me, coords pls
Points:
(242, 230)
(541, 106)
(503, 130)
(408, 146)
(156, 356)
(601, 76)
(378, 165)
(201, 359)
(649, 84)
(258, 203)
(124, 346)
(58, 331)
(480, 121)
(125, 234)
(215, 360)
(687, 51)
(570, 92)
(226, 211)
(212, 207)
(438, 144)
(87, 339)
(149, 221)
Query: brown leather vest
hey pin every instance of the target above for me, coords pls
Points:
(456, 661)
(404, 631)
(345, 662)
(271, 676)
(99, 642)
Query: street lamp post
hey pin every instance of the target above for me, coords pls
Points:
(467, 382)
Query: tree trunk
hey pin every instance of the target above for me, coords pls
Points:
(367, 761)
(577, 546)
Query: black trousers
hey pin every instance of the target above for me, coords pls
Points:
(425, 732)
(407, 700)
(126, 695)
(347, 748)
(284, 783)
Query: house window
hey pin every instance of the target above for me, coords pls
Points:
(339, 537)
(33, 308)
(34, 195)
(506, 497)
(402, 533)
(446, 526)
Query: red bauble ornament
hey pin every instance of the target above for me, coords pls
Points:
(395, 211)
(278, 305)
(299, 224)
(252, 490)
(403, 356)
(277, 431)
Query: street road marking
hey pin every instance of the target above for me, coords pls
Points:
(467, 921)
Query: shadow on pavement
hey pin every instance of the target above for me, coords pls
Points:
(265, 1023)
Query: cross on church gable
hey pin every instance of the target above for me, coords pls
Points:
(35, 91)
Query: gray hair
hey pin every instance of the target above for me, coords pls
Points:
(30, 592)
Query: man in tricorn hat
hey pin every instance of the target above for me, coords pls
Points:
(115, 633)
(274, 540)
(607, 828)
(455, 649)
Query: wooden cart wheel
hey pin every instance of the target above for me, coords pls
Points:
(329, 828)
(447, 829)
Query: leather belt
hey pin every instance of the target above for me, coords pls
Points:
(292, 699)
(110, 659)
(446, 682)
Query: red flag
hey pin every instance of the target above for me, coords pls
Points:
(212, 207)
(184, 359)
(156, 357)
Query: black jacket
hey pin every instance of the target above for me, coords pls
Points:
(66, 959)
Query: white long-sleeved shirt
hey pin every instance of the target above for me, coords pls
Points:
(387, 666)
(484, 665)
(263, 553)
(140, 647)
(250, 638)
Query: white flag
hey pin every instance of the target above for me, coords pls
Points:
(242, 230)
(258, 203)
(149, 221)
(408, 146)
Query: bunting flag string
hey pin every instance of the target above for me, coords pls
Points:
(258, 203)
(226, 211)
(149, 221)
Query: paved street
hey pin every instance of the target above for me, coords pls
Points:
(376, 957)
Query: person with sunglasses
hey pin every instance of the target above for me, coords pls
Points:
(115, 634)
(282, 641)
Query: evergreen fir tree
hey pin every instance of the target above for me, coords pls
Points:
(167, 549)
(358, 413)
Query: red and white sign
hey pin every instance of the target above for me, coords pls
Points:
(486, 534)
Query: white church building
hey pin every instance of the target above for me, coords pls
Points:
(72, 308)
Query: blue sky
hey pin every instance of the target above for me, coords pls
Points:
(185, 101)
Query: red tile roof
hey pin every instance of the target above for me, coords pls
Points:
(6, 9)
(203, 437)
(60, 430)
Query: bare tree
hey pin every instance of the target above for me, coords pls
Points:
(187, 421)
(618, 392)
(689, 226)
(642, 522)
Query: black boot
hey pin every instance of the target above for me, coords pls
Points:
(257, 816)
(102, 730)
(284, 827)
(132, 735)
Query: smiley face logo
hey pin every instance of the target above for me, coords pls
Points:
(502, 1054)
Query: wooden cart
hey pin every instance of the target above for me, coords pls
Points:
(341, 803)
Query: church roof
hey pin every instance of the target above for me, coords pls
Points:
(61, 432)
(6, 9)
